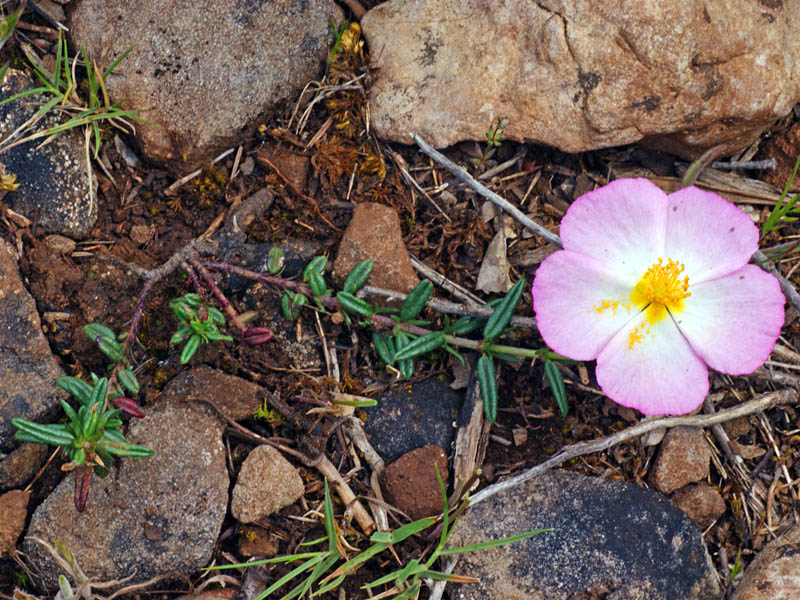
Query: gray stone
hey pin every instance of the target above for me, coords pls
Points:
(267, 483)
(208, 72)
(28, 370)
(610, 539)
(56, 189)
(583, 74)
(412, 415)
(156, 515)
(775, 572)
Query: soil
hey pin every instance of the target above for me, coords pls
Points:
(315, 190)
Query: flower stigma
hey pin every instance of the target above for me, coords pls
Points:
(661, 289)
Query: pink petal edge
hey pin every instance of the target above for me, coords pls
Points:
(659, 376)
(733, 322)
(623, 224)
(567, 291)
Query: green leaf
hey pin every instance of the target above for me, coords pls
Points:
(216, 315)
(422, 345)
(381, 344)
(111, 348)
(193, 300)
(128, 379)
(290, 313)
(68, 410)
(79, 456)
(125, 449)
(556, 381)
(353, 304)
(317, 265)
(317, 284)
(406, 367)
(502, 314)
(96, 330)
(54, 434)
(493, 543)
(487, 379)
(216, 336)
(415, 301)
(190, 348)
(77, 388)
(276, 260)
(358, 276)
(180, 335)
(99, 393)
(330, 521)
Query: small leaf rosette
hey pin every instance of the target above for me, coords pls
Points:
(657, 288)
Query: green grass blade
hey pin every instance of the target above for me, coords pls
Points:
(493, 543)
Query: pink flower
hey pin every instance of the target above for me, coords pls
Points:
(657, 287)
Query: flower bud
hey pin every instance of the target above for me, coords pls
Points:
(257, 335)
(129, 406)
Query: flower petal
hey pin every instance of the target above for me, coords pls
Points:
(657, 373)
(623, 224)
(579, 304)
(708, 234)
(732, 322)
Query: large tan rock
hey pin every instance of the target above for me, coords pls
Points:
(584, 74)
(775, 572)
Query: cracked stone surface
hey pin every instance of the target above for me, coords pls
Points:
(208, 72)
(28, 370)
(155, 515)
(584, 74)
(610, 539)
(55, 188)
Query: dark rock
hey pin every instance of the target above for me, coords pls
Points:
(55, 188)
(21, 465)
(612, 539)
(28, 370)
(374, 233)
(256, 541)
(267, 482)
(775, 572)
(412, 415)
(207, 72)
(13, 512)
(683, 458)
(410, 483)
(236, 397)
(702, 503)
(148, 517)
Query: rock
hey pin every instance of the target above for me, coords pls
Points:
(55, 186)
(374, 233)
(701, 502)
(783, 149)
(141, 234)
(412, 415)
(683, 458)
(28, 370)
(410, 483)
(267, 483)
(21, 465)
(209, 78)
(775, 572)
(584, 74)
(13, 512)
(610, 539)
(236, 397)
(156, 515)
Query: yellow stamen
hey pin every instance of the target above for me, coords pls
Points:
(661, 289)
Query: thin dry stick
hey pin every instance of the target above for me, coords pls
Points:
(462, 174)
(401, 164)
(764, 402)
(451, 308)
(458, 291)
(786, 286)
